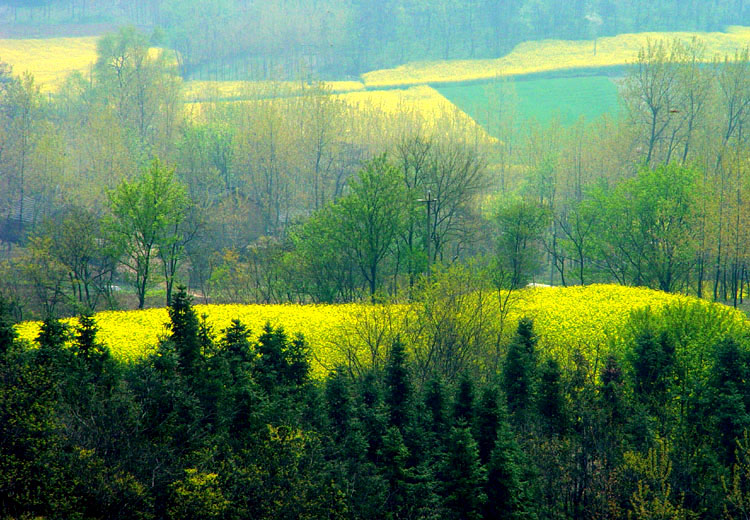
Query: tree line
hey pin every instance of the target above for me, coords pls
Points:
(236, 39)
(215, 424)
(116, 188)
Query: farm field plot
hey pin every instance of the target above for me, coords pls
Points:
(49, 60)
(196, 91)
(543, 99)
(589, 319)
(551, 55)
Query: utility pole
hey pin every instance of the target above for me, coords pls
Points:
(427, 236)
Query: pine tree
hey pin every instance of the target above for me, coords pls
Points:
(282, 364)
(338, 405)
(489, 415)
(463, 408)
(729, 379)
(394, 456)
(236, 341)
(435, 416)
(519, 371)
(505, 493)
(462, 477)
(185, 328)
(7, 332)
(551, 403)
(398, 388)
(93, 353)
(653, 360)
(372, 414)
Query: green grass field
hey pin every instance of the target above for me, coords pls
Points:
(542, 98)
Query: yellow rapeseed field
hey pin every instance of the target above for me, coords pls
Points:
(589, 319)
(422, 102)
(49, 60)
(226, 90)
(550, 55)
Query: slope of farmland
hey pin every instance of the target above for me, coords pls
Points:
(49, 60)
(550, 55)
(545, 98)
(588, 319)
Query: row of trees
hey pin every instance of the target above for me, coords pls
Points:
(227, 426)
(271, 39)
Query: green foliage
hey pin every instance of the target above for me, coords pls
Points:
(197, 495)
(146, 217)
(7, 331)
(184, 328)
(398, 387)
(506, 496)
(550, 401)
(370, 217)
(520, 225)
(462, 477)
(646, 229)
(519, 372)
(282, 363)
(463, 406)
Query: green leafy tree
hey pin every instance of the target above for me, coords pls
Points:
(646, 232)
(520, 225)
(146, 213)
(196, 496)
(369, 218)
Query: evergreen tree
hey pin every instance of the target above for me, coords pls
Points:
(7, 332)
(489, 416)
(463, 408)
(652, 359)
(506, 498)
(93, 353)
(436, 422)
(519, 371)
(185, 328)
(732, 392)
(236, 341)
(551, 402)
(398, 388)
(282, 364)
(394, 456)
(372, 415)
(338, 405)
(462, 477)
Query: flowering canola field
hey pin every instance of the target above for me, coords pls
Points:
(49, 60)
(589, 318)
(196, 91)
(550, 55)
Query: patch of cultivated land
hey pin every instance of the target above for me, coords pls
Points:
(566, 99)
(588, 319)
(49, 60)
(551, 55)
